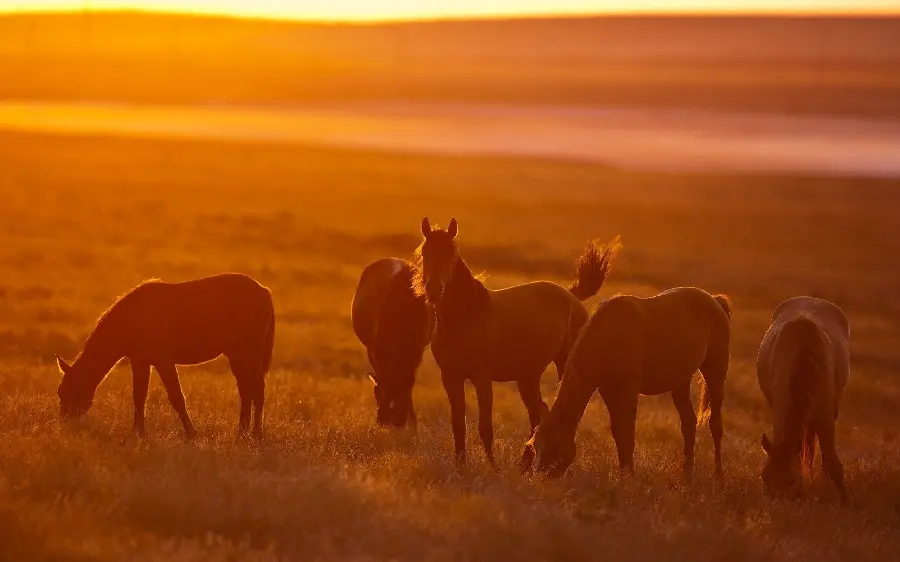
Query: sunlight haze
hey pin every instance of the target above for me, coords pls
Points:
(412, 9)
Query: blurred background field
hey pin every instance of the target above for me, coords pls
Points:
(85, 217)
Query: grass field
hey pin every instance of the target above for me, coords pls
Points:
(83, 220)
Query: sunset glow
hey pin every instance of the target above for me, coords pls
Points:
(414, 9)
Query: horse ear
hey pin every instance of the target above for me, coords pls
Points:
(453, 228)
(766, 444)
(426, 227)
(64, 367)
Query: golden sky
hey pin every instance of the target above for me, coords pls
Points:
(402, 9)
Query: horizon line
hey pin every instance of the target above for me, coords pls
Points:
(499, 16)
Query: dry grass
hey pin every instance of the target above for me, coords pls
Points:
(83, 220)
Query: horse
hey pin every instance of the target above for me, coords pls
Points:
(635, 346)
(802, 369)
(506, 335)
(162, 325)
(395, 326)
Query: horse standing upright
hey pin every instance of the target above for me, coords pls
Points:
(395, 325)
(167, 324)
(633, 346)
(505, 335)
(802, 369)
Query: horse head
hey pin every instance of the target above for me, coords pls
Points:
(437, 257)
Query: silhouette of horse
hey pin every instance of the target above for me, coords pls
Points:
(507, 335)
(634, 346)
(802, 369)
(395, 325)
(167, 324)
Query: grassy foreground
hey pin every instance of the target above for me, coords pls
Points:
(83, 220)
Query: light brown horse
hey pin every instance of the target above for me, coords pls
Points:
(507, 335)
(633, 346)
(167, 324)
(802, 369)
(395, 325)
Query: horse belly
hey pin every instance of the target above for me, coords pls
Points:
(202, 344)
(656, 383)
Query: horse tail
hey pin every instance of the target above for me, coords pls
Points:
(803, 357)
(704, 410)
(808, 452)
(268, 345)
(593, 267)
(725, 303)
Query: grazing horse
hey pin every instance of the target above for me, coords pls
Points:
(505, 335)
(633, 346)
(395, 325)
(167, 324)
(802, 369)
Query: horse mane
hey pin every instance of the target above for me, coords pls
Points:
(104, 317)
(577, 386)
(418, 277)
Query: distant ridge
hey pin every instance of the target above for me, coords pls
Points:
(820, 64)
(696, 37)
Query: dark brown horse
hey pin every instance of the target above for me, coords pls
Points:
(167, 324)
(395, 324)
(633, 346)
(507, 335)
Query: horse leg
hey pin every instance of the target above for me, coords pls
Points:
(484, 390)
(239, 370)
(456, 394)
(714, 377)
(258, 396)
(622, 407)
(169, 375)
(140, 372)
(560, 362)
(681, 397)
(830, 460)
(530, 392)
(244, 416)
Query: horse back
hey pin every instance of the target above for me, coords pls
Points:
(685, 329)
(536, 319)
(194, 321)
(386, 311)
(371, 291)
(405, 322)
(832, 327)
(520, 331)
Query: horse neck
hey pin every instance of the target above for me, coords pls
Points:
(465, 297)
(101, 352)
(571, 401)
